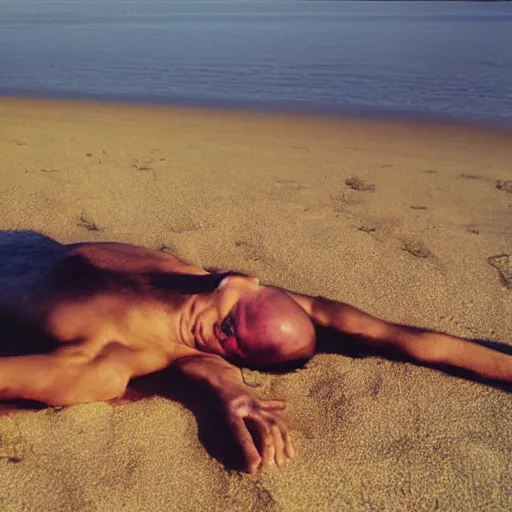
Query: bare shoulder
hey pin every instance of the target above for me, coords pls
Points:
(131, 258)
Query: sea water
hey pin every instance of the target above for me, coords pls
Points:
(449, 59)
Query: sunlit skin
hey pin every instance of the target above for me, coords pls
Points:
(115, 312)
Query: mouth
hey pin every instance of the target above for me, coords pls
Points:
(197, 336)
(200, 339)
(208, 343)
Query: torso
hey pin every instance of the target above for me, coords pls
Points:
(88, 296)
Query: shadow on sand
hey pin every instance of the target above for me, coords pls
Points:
(213, 431)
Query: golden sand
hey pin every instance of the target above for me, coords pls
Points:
(407, 221)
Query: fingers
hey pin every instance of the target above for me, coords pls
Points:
(244, 439)
(288, 445)
(262, 426)
(285, 439)
(278, 445)
(282, 442)
(261, 434)
(272, 405)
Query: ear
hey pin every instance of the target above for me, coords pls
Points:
(252, 283)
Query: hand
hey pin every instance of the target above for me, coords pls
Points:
(258, 429)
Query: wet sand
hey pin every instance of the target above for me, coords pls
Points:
(411, 222)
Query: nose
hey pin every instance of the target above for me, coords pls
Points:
(249, 283)
(254, 283)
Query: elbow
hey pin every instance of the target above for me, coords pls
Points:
(426, 349)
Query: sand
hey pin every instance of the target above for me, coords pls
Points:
(411, 222)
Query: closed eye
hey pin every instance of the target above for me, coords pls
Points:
(227, 335)
(227, 328)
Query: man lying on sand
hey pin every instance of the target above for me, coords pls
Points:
(79, 321)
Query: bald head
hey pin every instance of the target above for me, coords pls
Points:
(272, 329)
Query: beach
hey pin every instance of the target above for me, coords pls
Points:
(409, 221)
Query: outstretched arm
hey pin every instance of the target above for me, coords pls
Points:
(423, 346)
(268, 442)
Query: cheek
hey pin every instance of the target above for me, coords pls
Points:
(252, 338)
(251, 333)
(232, 349)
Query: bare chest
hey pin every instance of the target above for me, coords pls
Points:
(106, 318)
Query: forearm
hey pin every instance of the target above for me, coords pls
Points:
(421, 345)
(443, 349)
(210, 372)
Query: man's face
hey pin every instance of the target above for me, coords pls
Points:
(252, 323)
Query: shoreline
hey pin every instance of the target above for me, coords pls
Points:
(284, 109)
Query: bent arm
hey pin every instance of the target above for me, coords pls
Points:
(424, 346)
(268, 443)
(212, 373)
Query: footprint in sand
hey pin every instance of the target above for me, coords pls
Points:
(367, 228)
(328, 391)
(348, 198)
(142, 167)
(85, 222)
(504, 185)
(288, 185)
(503, 264)
(184, 225)
(416, 248)
(167, 248)
(251, 252)
(12, 446)
(343, 200)
(472, 176)
(358, 184)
